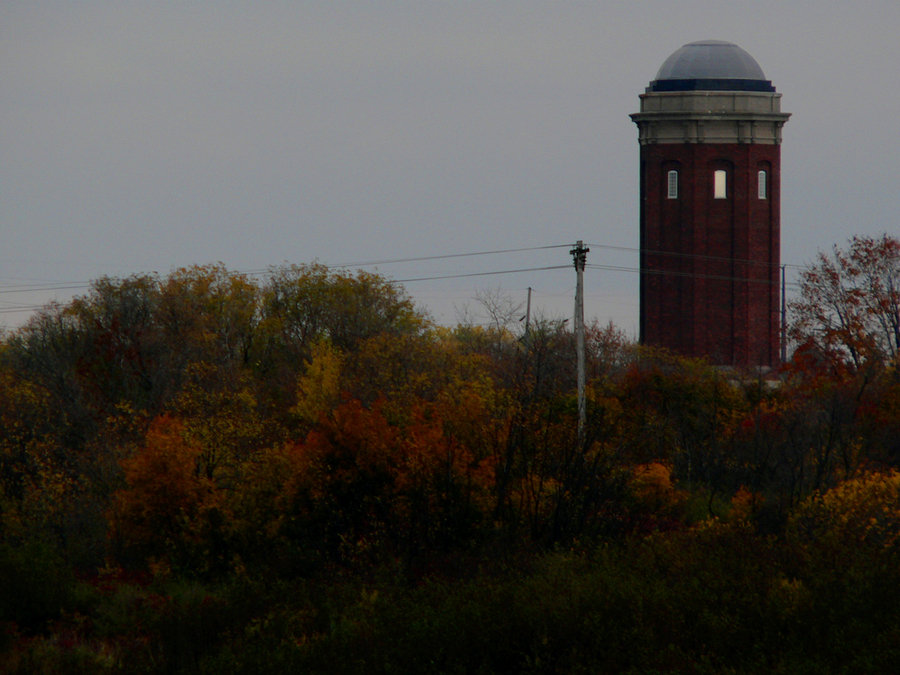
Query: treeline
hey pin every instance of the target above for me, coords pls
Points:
(202, 472)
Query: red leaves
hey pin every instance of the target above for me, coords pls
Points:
(849, 304)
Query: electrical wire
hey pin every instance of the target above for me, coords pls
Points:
(482, 274)
(78, 285)
(448, 255)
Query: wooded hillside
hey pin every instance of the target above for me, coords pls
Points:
(206, 473)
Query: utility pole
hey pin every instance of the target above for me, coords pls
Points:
(783, 319)
(528, 312)
(579, 255)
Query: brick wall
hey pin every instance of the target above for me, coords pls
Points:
(709, 267)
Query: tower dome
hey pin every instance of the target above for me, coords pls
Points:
(710, 65)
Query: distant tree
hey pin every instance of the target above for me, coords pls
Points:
(304, 304)
(608, 349)
(360, 484)
(49, 351)
(319, 388)
(502, 312)
(849, 303)
(209, 315)
(26, 425)
(161, 510)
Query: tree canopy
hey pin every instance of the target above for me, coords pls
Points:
(178, 450)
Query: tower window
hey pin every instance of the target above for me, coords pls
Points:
(761, 191)
(719, 184)
(672, 185)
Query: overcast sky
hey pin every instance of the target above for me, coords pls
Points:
(146, 136)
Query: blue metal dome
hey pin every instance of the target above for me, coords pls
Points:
(710, 65)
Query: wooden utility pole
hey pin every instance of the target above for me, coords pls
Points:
(783, 320)
(528, 312)
(579, 255)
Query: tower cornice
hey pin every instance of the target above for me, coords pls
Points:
(710, 117)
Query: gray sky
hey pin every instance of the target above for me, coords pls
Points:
(145, 136)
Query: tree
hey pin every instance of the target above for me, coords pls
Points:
(856, 517)
(304, 304)
(131, 342)
(849, 303)
(318, 389)
(26, 426)
(308, 302)
(360, 485)
(48, 351)
(208, 314)
(162, 509)
(843, 545)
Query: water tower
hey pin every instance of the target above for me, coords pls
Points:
(709, 129)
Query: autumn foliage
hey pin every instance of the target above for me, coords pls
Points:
(165, 496)
(181, 449)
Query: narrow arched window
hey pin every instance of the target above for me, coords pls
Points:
(672, 191)
(762, 188)
(720, 187)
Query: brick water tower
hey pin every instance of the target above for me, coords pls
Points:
(710, 136)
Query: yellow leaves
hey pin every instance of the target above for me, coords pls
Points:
(319, 388)
(37, 483)
(24, 412)
(222, 419)
(304, 303)
(790, 594)
(858, 515)
(210, 311)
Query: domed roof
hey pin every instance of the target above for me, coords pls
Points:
(710, 65)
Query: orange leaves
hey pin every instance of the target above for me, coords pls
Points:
(744, 505)
(357, 444)
(406, 461)
(655, 501)
(652, 485)
(401, 484)
(165, 495)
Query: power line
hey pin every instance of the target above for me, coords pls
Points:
(445, 256)
(482, 274)
(15, 310)
(76, 285)
(62, 286)
(6, 288)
